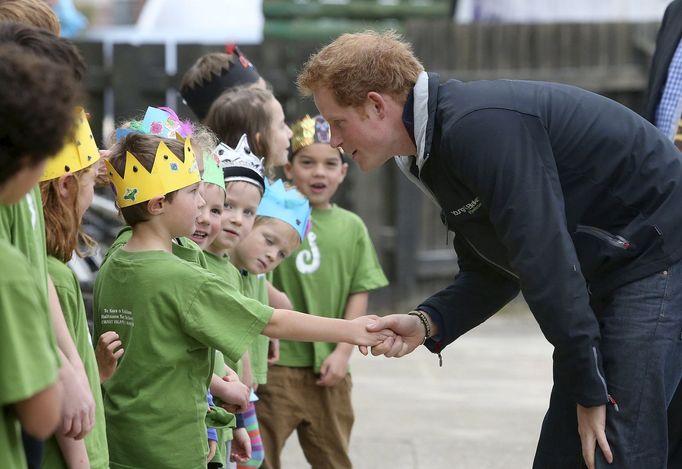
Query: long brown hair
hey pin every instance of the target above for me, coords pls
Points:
(63, 231)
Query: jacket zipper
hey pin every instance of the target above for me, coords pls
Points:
(507, 271)
(613, 240)
(610, 399)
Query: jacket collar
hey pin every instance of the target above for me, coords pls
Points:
(425, 93)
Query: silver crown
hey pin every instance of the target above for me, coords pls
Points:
(239, 157)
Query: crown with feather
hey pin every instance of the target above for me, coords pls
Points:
(287, 205)
(240, 164)
(168, 174)
(79, 152)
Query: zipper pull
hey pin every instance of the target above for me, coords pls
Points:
(613, 402)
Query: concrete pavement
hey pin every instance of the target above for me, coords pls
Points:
(481, 410)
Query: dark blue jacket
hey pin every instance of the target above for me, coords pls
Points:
(549, 189)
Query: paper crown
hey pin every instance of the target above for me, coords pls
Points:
(162, 122)
(79, 152)
(212, 172)
(240, 72)
(168, 174)
(290, 206)
(310, 130)
(240, 164)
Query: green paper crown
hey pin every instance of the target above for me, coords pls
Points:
(212, 172)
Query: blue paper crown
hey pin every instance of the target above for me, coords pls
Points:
(290, 206)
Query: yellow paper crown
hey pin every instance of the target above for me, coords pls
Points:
(168, 174)
(303, 133)
(79, 151)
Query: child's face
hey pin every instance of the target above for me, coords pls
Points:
(181, 213)
(266, 247)
(317, 171)
(21, 183)
(210, 216)
(239, 213)
(278, 136)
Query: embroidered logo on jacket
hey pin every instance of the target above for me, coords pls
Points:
(308, 261)
(469, 208)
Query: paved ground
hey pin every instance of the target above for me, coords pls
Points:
(482, 410)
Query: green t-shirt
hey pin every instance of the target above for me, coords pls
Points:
(23, 226)
(168, 313)
(184, 248)
(71, 301)
(256, 287)
(28, 363)
(336, 259)
(223, 268)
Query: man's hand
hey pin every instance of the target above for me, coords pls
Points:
(409, 332)
(78, 405)
(592, 428)
(107, 354)
(241, 446)
(334, 368)
(273, 351)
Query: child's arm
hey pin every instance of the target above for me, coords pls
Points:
(79, 405)
(106, 354)
(277, 299)
(292, 325)
(73, 451)
(247, 372)
(40, 414)
(335, 367)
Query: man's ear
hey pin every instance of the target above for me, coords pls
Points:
(157, 205)
(344, 170)
(377, 103)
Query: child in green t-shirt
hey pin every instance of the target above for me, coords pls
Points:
(35, 94)
(67, 188)
(169, 313)
(332, 272)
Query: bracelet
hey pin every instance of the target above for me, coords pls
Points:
(425, 322)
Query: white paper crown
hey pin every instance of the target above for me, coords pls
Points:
(240, 164)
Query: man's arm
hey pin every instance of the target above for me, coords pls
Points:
(516, 177)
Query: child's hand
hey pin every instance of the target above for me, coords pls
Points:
(334, 368)
(235, 396)
(212, 448)
(107, 354)
(273, 351)
(364, 338)
(241, 446)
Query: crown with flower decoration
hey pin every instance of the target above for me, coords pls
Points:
(287, 205)
(79, 152)
(240, 164)
(159, 121)
(168, 174)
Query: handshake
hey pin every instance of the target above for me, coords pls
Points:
(394, 335)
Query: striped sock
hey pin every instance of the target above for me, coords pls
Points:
(257, 453)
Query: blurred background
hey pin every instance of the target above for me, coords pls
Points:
(137, 52)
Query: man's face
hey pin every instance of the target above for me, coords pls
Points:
(362, 132)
